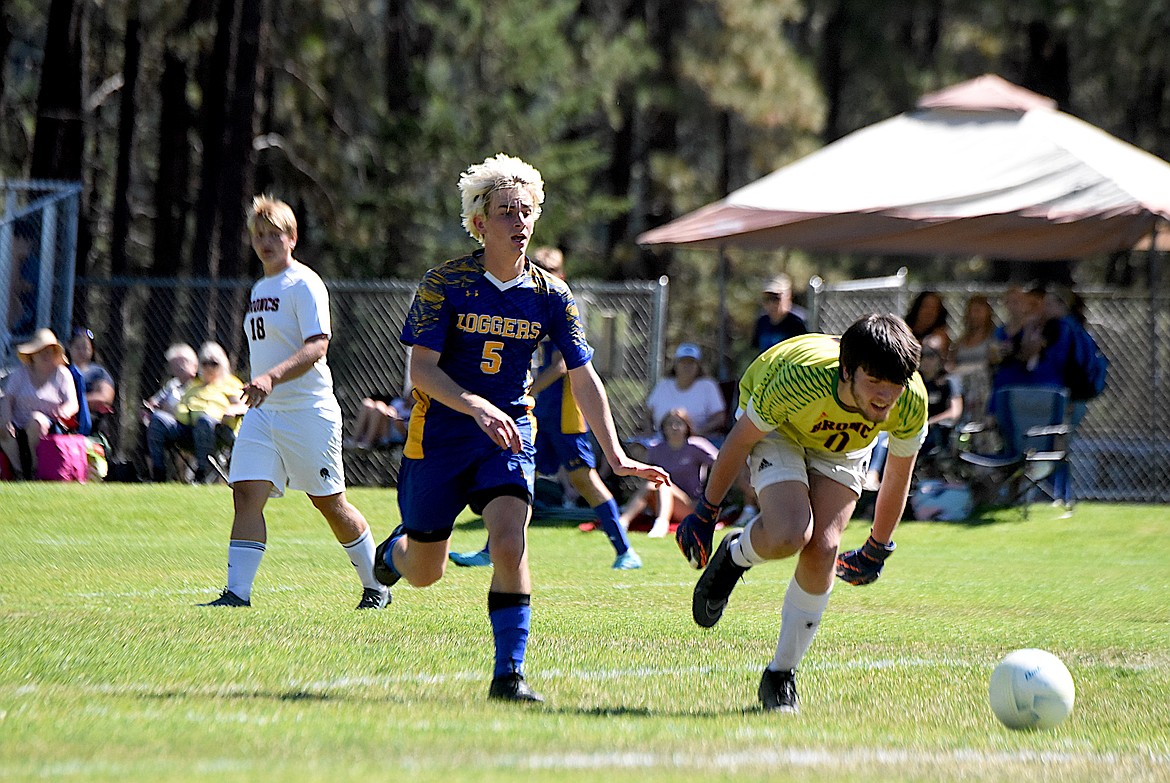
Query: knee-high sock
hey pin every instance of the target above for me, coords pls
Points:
(743, 554)
(361, 554)
(799, 620)
(608, 514)
(243, 562)
(511, 617)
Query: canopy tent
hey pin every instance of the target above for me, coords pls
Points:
(980, 168)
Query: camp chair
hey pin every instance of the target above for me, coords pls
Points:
(1031, 426)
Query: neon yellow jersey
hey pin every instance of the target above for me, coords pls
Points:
(792, 387)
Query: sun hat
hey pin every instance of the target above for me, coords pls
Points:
(41, 339)
(688, 351)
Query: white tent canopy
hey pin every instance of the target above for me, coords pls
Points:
(981, 168)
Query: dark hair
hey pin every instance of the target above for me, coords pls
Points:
(677, 413)
(916, 305)
(883, 346)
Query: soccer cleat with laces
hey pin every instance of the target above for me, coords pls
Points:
(382, 572)
(627, 561)
(228, 598)
(374, 598)
(471, 559)
(715, 585)
(512, 687)
(778, 691)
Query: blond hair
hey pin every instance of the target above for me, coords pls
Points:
(501, 172)
(274, 211)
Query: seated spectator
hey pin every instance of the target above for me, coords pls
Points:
(944, 395)
(780, 320)
(382, 420)
(183, 366)
(39, 398)
(927, 319)
(213, 396)
(688, 388)
(686, 457)
(974, 354)
(99, 384)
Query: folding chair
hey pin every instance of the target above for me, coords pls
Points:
(1031, 425)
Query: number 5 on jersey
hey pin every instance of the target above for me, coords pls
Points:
(491, 357)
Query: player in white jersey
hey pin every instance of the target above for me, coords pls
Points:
(291, 433)
(811, 409)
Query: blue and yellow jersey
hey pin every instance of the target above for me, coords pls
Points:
(792, 387)
(556, 408)
(486, 333)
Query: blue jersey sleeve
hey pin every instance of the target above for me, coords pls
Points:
(565, 328)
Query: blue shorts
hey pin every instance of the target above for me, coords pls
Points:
(458, 473)
(555, 450)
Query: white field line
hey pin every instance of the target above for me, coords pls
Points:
(1117, 766)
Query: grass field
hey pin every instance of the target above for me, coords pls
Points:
(108, 671)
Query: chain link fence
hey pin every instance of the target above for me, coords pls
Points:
(1121, 451)
(135, 319)
(38, 242)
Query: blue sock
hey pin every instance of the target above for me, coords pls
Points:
(607, 513)
(511, 617)
(388, 557)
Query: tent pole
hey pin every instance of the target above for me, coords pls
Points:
(723, 370)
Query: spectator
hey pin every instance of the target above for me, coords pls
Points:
(780, 320)
(39, 397)
(688, 388)
(25, 268)
(99, 384)
(973, 355)
(944, 405)
(183, 366)
(381, 421)
(215, 394)
(1037, 352)
(686, 457)
(927, 319)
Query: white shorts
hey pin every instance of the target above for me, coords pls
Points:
(778, 457)
(300, 450)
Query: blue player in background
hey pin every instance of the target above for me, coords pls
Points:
(474, 326)
(562, 441)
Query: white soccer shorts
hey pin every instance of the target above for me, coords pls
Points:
(298, 449)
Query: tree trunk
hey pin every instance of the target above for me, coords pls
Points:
(57, 144)
(212, 129)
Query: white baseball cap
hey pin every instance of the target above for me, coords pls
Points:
(688, 351)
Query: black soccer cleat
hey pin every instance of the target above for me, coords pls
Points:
(513, 687)
(375, 598)
(382, 572)
(228, 598)
(715, 585)
(778, 691)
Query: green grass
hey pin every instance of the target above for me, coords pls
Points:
(109, 672)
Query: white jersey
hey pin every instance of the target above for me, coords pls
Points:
(285, 310)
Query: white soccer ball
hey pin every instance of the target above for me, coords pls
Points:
(1031, 689)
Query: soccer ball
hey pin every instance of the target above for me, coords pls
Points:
(1031, 689)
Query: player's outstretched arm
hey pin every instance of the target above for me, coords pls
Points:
(433, 381)
(863, 566)
(695, 533)
(594, 402)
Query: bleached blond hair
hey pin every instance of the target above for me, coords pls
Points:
(274, 211)
(501, 172)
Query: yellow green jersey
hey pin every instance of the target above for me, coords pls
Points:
(792, 387)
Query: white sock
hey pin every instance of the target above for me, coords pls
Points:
(243, 562)
(743, 554)
(799, 620)
(361, 554)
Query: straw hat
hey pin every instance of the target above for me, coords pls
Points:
(41, 339)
